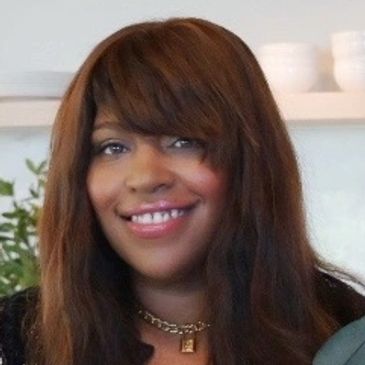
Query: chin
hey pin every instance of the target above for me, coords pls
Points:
(167, 276)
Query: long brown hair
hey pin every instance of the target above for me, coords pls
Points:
(189, 77)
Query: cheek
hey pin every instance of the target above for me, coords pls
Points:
(208, 182)
(102, 188)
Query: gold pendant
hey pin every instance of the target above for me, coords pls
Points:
(188, 343)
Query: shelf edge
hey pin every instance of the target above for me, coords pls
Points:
(295, 108)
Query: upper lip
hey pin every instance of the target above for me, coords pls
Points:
(156, 207)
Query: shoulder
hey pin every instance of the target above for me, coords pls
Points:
(13, 309)
(345, 347)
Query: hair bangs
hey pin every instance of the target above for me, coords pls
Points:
(148, 94)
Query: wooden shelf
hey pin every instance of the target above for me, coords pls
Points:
(331, 107)
(27, 112)
(325, 106)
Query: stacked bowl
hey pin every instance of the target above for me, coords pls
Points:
(289, 67)
(348, 50)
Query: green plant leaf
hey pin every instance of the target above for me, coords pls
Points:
(31, 166)
(42, 167)
(6, 227)
(6, 188)
(34, 193)
(39, 169)
(19, 267)
(10, 215)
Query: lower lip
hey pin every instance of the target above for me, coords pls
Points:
(158, 230)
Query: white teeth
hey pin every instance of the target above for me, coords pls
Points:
(174, 213)
(146, 218)
(165, 216)
(157, 217)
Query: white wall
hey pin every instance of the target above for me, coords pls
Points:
(332, 162)
(57, 35)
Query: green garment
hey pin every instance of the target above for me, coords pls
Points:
(345, 347)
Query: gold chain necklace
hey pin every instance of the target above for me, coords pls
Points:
(187, 331)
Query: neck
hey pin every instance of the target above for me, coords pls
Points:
(178, 303)
(173, 302)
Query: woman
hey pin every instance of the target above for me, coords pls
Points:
(174, 198)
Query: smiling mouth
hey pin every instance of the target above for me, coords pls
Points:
(158, 224)
(158, 217)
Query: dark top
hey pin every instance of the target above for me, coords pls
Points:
(341, 300)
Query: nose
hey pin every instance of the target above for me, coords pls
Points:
(148, 172)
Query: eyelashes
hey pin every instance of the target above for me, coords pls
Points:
(183, 142)
(109, 148)
(115, 147)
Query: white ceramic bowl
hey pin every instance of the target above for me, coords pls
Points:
(288, 49)
(348, 44)
(289, 67)
(349, 74)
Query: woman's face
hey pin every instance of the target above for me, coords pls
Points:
(157, 200)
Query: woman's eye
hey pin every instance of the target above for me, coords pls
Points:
(110, 148)
(187, 143)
